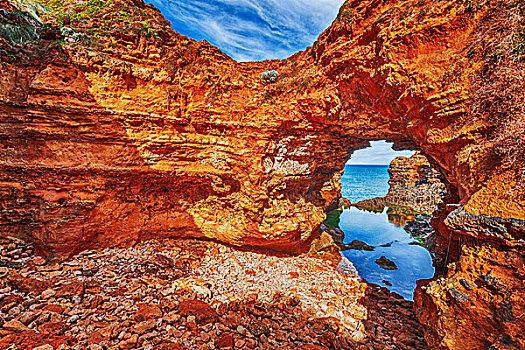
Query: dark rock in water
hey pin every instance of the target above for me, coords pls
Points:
(386, 263)
(336, 233)
(357, 245)
(387, 283)
(375, 205)
(422, 230)
(338, 237)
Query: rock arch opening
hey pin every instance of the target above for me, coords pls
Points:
(382, 223)
(366, 174)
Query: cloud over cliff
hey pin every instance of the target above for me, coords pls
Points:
(252, 29)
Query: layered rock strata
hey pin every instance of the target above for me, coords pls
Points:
(131, 131)
(414, 183)
(130, 135)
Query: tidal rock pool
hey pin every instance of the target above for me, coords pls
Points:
(386, 234)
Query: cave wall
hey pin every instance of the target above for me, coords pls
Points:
(129, 137)
(87, 133)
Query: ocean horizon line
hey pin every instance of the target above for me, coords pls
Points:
(367, 164)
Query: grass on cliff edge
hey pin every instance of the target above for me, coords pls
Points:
(97, 17)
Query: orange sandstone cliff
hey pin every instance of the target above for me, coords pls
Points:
(414, 183)
(126, 131)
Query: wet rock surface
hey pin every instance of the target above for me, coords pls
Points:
(188, 295)
(422, 230)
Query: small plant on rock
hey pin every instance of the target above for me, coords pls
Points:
(270, 76)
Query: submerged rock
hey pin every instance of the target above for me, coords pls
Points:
(357, 245)
(326, 248)
(386, 263)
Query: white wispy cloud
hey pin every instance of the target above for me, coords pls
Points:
(380, 153)
(251, 29)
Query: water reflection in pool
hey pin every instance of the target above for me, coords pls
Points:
(390, 240)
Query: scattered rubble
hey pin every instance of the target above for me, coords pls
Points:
(179, 294)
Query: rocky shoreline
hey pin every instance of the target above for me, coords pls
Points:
(129, 132)
(187, 294)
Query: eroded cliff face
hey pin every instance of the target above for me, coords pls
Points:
(137, 132)
(133, 132)
(414, 183)
(479, 304)
(122, 147)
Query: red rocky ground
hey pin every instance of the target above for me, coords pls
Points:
(130, 132)
(173, 295)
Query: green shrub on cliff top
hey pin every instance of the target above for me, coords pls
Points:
(57, 5)
(99, 18)
(519, 43)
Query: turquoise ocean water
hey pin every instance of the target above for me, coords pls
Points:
(364, 182)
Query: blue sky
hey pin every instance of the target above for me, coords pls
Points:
(381, 153)
(251, 30)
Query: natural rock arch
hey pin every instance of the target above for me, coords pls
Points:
(205, 149)
(144, 136)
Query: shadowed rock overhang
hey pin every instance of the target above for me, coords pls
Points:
(126, 135)
(122, 130)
